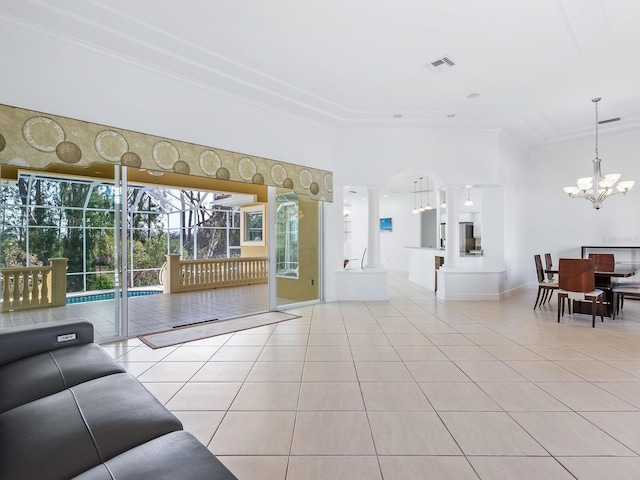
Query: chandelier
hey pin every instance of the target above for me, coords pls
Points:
(428, 206)
(598, 188)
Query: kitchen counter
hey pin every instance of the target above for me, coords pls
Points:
(470, 280)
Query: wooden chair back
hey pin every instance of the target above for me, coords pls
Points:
(576, 274)
(548, 265)
(603, 262)
(539, 269)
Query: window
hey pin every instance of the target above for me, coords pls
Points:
(287, 235)
(252, 226)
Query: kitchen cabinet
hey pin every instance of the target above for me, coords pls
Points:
(465, 217)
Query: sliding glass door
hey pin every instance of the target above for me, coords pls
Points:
(297, 249)
(59, 248)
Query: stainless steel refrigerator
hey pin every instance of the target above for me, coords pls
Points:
(467, 242)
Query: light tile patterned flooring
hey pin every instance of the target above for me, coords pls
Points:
(411, 388)
(152, 313)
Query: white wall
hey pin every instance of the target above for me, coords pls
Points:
(372, 157)
(45, 75)
(50, 76)
(406, 231)
(515, 177)
(560, 225)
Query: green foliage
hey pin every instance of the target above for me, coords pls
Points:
(100, 282)
(75, 218)
(14, 256)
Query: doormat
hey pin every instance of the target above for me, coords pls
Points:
(180, 335)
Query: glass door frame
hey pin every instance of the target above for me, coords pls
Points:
(272, 236)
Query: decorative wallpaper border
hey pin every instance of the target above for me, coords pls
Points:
(36, 140)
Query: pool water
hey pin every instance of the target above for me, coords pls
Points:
(94, 297)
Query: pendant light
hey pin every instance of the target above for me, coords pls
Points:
(598, 188)
(415, 205)
(468, 202)
(428, 206)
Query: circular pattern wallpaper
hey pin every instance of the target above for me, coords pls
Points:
(209, 162)
(37, 140)
(165, 154)
(68, 152)
(247, 168)
(43, 133)
(305, 178)
(110, 145)
(278, 174)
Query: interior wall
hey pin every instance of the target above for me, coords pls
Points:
(517, 223)
(394, 254)
(372, 157)
(48, 75)
(538, 215)
(560, 225)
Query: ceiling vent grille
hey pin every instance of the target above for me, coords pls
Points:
(443, 63)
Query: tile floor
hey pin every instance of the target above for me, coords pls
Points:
(410, 388)
(152, 313)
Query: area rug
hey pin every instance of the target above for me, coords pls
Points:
(211, 329)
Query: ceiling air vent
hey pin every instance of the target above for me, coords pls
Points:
(440, 64)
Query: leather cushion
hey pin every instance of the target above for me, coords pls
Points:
(28, 340)
(51, 372)
(176, 455)
(64, 434)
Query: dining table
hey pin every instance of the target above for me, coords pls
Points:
(603, 282)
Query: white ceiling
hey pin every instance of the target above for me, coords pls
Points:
(536, 64)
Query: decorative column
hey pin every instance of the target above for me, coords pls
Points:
(373, 240)
(452, 247)
(58, 281)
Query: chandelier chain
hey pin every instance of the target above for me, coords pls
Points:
(596, 100)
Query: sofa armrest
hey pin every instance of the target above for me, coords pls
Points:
(21, 342)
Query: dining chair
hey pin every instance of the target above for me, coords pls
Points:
(545, 286)
(620, 290)
(549, 265)
(576, 279)
(603, 262)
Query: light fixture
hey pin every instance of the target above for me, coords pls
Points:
(415, 205)
(421, 209)
(468, 202)
(444, 199)
(428, 206)
(603, 184)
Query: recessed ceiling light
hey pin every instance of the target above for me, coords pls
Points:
(473, 95)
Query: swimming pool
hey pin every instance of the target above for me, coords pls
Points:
(94, 297)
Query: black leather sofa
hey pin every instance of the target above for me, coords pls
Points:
(68, 411)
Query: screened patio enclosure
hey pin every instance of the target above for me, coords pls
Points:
(114, 235)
